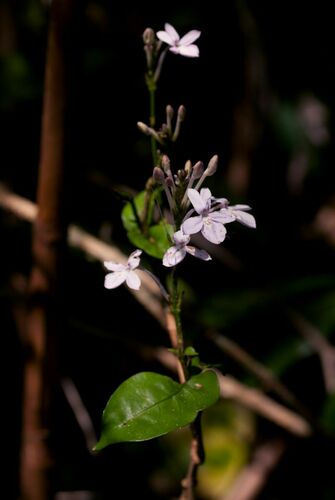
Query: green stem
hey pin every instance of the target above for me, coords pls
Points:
(152, 119)
(176, 310)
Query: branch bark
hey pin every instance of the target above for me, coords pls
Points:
(49, 241)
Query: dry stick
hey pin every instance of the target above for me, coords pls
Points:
(80, 412)
(149, 294)
(49, 237)
(253, 477)
(264, 406)
(264, 374)
(321, 346)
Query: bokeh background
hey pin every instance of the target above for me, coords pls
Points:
(261, 96)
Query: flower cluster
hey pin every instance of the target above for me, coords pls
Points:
(193, 208)
(208, 214)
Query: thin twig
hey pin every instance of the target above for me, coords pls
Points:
(80, 412)
(321, 346)
(263, 405)
(264, 374)
(149, 294)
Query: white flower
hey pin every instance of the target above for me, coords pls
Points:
(210, 223)
(183, 46)
(238, 212)
(176, 254)
(123, 272)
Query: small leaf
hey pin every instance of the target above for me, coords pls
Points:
(155, 243)
(157, 239)
(149, 405)
(190, 351)
(128, 216)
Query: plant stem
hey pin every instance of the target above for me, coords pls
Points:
(152, 118)
(197, 457)
(197, 452)
(176, 309)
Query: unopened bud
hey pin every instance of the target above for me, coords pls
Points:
(188, 168)
(158, 175)
(198, 170)
(144, 128)
(169, 116)
(148, 36)
(169, 182)
(166, 164)
(212, 165)
(169, 111)
(181, 113)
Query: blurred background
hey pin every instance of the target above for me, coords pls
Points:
(261, 96)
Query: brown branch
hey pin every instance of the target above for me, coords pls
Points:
(321, 346)
(49, 238)
(267, 378)
(149, 294)
(263, 405)
(80, 412)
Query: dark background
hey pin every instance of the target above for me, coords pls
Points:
(261, 97)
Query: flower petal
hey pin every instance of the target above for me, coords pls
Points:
(189, 50)
(192, 225)
(171, 32)
(133, 280)
(206, 196)
(180, 238)
(175, 49)
(134, 259)
(224, 216)
(113, 280)
(196, 200)
(113, 266)
(215, 232)
(245, 218)
(173, 256)
(190, 37)
(196, 252)
(240, 207)
(165, 37)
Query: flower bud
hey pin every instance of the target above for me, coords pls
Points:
(148, 36)
(158, 175)
(166, 164)
(181, 113)
(198, 170)
(212, 166)
(144, 128)
(188, 168)
(169, 112)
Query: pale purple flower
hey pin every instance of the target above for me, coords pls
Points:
(177, 253)
(123, 272)
(183, 46)
(239, 213)
(209, 221)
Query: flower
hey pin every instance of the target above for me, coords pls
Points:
(238, 212)
(209, 221)
(176, 253)
(183, 46)
(123, 272)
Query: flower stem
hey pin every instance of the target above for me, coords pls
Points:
(151, 84)
(175, 304)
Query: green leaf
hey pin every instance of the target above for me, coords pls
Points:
(149, 405)
(128, 216)
(155, 243)
(157, 239)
